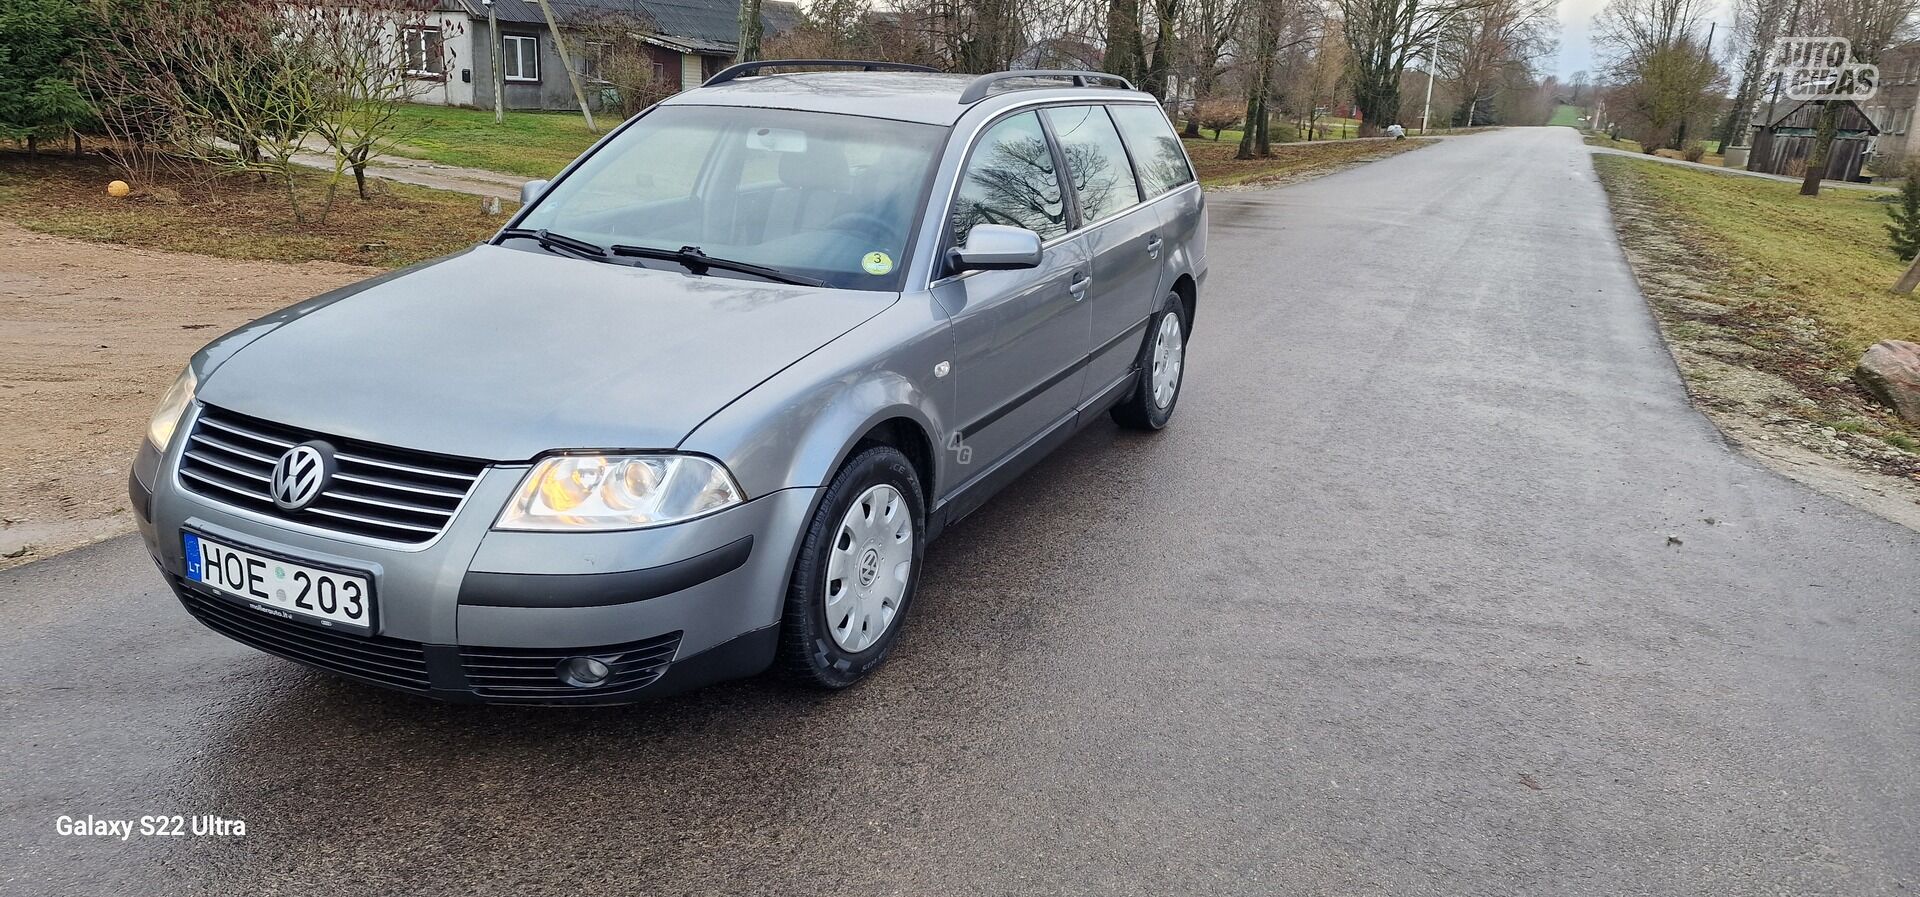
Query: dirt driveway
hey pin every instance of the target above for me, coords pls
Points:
(90, 334)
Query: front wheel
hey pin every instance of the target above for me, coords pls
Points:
(854, 579)
(1163, 361)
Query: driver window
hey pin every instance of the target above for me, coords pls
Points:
(1010, 180)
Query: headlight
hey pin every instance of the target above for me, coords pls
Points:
(600, 492)
(172, 405)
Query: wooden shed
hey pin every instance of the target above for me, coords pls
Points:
(1782, 147)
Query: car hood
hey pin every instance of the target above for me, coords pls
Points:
(502, 354)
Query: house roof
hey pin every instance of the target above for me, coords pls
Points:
(711, 26)
(1803, 116)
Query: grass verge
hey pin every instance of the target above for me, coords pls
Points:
(1767, 299)
(530, 144)
(239, 216)
(1713, 155)
(1216, 166)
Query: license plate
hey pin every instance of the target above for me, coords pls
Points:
(281, 587)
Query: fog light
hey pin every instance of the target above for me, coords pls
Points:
(584, 672)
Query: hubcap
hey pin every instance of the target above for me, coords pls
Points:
(868, 568)
(1169, 351)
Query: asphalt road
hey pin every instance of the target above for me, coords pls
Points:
(1395, 607)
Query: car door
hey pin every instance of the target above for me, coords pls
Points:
(1019, 336)
(1122, 235)
(1167, 184)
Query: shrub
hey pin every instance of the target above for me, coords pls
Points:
(1694, 152)
(1903, 231)
(1218, 113)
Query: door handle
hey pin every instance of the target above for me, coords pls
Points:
(1079, 285)
(1153, 246)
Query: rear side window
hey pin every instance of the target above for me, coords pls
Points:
(1010, 180)
(1157, 157)
(1102, 178)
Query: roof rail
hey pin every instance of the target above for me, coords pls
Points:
(743, 69)
(977, 90)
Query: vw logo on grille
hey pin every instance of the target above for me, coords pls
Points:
(301, 474)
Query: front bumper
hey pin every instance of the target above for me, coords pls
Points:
(480, 615)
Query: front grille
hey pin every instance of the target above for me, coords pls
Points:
(385, 661)
(377, 491)
(532, 675)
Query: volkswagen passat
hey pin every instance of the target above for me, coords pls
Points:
(698, 409)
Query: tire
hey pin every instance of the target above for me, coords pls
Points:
(1149, 407)
(839, 625)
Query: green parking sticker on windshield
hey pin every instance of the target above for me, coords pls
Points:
(877, 263)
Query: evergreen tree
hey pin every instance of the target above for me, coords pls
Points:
(1904, 229)
(39, 43)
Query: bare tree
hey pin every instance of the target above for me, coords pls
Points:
(1274, 27)
(371, 57)
(230, 88)
(1657, 58)
(974, 36)
(1756, 30)
(615, 58)
(1210, 27)
(1126, 48)
(1318, 80)
(1490, 48)
(1383, 35)
(1166, 40)
(751, 31)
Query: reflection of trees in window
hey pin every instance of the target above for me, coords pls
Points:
(1163, 167)
(1156, 151)
(1096, 178)
(1011, 182)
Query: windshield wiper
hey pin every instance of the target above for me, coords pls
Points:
(698, 262)
(550, 240)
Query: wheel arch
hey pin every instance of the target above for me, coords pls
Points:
(1189, 293)
(911, 439)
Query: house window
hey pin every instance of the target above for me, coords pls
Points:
(426, 51)
(659, 73)
(520, 57)
(593, 59)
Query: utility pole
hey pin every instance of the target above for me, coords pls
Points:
(494, 71)
(573, 77)
(1433, 46)
(1427, 109)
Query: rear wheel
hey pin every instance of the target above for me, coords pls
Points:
(1163, 363)
(858, 566)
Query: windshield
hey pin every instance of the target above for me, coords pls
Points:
(828, 197)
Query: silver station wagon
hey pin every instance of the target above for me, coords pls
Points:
(699, 408)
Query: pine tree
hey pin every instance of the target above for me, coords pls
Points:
(38, 42)
(1904, 229)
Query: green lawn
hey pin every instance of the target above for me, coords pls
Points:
(1748, 271)
(1566, 115)
(532, 144)
(1822, 257)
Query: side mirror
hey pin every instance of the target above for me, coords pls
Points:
(996, 247)
(531, 191)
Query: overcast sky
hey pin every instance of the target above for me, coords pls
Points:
(1576, 26)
